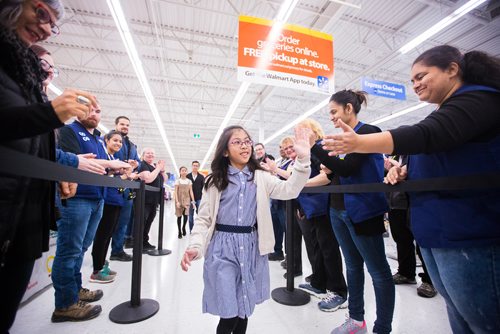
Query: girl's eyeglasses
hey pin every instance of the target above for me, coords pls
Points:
(47, 68)
(240, 143)
(43, 17)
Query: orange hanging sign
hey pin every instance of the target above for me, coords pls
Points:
(287, 56)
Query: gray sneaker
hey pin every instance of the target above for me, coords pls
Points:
(307, 287)
(350, 327)
(332, 302)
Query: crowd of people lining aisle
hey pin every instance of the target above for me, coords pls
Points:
(240, 214)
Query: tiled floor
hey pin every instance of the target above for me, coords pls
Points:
(179, 296)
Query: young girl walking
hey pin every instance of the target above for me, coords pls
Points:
(236, 199)
(184, 197)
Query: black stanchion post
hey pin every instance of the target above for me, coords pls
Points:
(136, 309)
(160, 251)
(290, 295)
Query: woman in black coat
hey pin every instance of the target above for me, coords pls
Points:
(26, 205)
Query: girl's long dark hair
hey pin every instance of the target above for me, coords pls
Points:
(476, 67)
(220, 164)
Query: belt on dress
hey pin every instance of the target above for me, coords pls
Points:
(235, 228)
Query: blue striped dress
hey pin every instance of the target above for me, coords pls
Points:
(235, 275)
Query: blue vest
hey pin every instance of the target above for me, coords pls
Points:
(314, 205)
(114, 196)
(447, 219)
(89, 144)
(363, 206)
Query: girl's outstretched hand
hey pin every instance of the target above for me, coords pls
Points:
(188, 256)
(302, 146)
(345, 142)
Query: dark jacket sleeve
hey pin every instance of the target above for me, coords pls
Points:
(68, 141)
(471, 116)
(27, 121)
(348, 166)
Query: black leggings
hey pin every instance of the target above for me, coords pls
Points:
(103, 235)
(183, 225)
(232, 326)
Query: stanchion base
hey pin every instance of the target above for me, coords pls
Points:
(292, 298)
(125, 313)
(159, 252)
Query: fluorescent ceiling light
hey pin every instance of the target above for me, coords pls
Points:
(308, 113)
(441, 25)
(123, 29)
(347, 4)
(56, 90)
(283, 15)
(400, 113)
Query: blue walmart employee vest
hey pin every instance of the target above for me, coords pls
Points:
(363, 206)
(89, 143)
(450, 219)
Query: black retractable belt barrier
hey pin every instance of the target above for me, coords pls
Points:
(160, 251)
(136, 309)
(289, 295)
(25, 165)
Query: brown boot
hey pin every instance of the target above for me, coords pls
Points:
(79, 311)
(89, 296)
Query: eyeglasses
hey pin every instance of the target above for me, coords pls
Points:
(47, 67)
(240, 143)
(43, 17)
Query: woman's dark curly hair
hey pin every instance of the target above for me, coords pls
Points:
(21, 64)
(220, 163)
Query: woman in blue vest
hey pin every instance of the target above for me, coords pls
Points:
(458, 231)
(113, 202)
(359, 223)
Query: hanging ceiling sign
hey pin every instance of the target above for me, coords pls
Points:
(292, 57)
(384, 89)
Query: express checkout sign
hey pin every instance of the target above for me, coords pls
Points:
(384, 89)
(296, 57)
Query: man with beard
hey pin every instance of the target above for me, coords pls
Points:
(123, 233)
(80, 216)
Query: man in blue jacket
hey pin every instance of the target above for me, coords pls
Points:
(123, 231)
(80, 216)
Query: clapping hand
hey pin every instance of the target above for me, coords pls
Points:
(342, 143)
(302, 144)
(396, 174)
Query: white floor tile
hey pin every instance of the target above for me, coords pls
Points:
(179, 295)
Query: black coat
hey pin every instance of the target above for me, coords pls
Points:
(26, 205)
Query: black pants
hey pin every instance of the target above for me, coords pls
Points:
(149, 217)
(425, 275)
(232, 326)
(179, 224)
(309, 239)
(327, 266)
(103, 235)
(401, 232)
(14, 279)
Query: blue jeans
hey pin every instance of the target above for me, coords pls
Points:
(279, 223)
(75, 233)
(122, 226)
(369, 249)
(469, 281)
(191, 214)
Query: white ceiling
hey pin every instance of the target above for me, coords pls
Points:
(189, 53)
